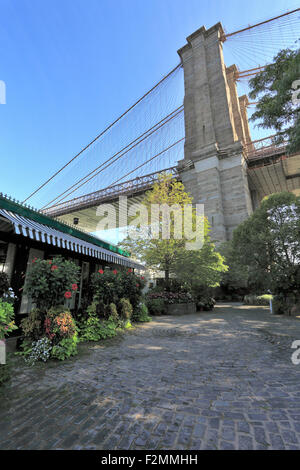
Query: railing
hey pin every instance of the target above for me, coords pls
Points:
(262, 148)
(136, 185)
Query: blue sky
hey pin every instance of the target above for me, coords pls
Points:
(72, 66)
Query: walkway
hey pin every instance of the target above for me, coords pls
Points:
(221, 380)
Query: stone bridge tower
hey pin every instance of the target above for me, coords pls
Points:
(216, 128)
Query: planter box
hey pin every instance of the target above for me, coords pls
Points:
(180, 309)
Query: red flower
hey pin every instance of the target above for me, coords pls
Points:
(68, 294)
(49, 261)
(115, 271)
(74, 286)
(129, 271)
(54, 267)
(101, 271)
(142, 277)
(34, 260)
(137, 285)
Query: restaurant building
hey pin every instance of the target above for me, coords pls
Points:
(26, 233)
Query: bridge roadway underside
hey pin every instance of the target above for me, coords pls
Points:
(274, 174)
(267, 175)
(88, 219)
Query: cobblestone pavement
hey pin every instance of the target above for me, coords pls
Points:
(220, 380)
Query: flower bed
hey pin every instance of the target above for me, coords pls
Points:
(172, 297)
(50, 330)
(7, 325)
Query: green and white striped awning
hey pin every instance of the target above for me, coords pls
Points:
(42, 233)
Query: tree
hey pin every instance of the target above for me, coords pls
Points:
(277, 90)
(171, 255)
(237, 276)
(268, 243)
(202, 268)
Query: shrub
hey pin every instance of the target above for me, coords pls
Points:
(40, 351)
(32, 325)
(253, 299)
(66, 348)
(7, 323)
(111, 285)
(105, 286)
(171, 297)
(113, 313)
(279, 305)
(131, 286)
(90, 329)
(141, 313)
(125, 309)
(205, 303)
(50, 282)
(59, 326)
(94, 329)
(156, 306)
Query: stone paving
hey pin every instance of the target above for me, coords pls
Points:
(215, 380)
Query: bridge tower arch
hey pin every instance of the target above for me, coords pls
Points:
(216, 129)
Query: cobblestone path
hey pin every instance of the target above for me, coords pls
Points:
(215, 380)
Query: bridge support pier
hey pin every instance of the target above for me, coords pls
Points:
(213, 169)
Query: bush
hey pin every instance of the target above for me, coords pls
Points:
(141, 313)
(155, 306)
(105, 286)
(131, 286)
(55, 336)
(95, 329)
(50, 282)
(171, 297)
(66, 348)
(7, 323)
(109, 286)
(125, 309)
(279, 305)
(40, 351)
(205, 303)
(32, 325)
(253, 299)
(113, 313)
(59, 326)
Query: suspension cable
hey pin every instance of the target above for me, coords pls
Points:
(102, 133)
(225, 36)
(109, 161)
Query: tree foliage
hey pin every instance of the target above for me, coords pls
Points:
(274, 89)
(268, 243)
(171, 255)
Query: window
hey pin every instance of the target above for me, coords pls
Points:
(3, 253)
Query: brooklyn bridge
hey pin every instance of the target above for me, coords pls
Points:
(193, 124)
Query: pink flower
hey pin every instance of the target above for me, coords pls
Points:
(68, 295)
(115, 271)
(100, 271)
(74, 287)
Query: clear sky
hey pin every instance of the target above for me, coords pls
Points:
(73, 66)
